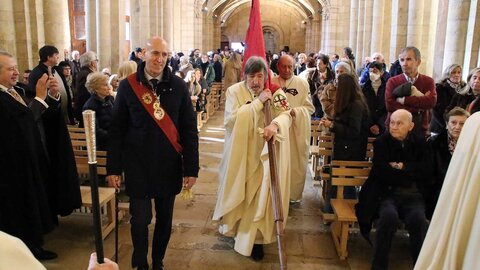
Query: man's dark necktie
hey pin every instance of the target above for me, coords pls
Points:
(154, 83)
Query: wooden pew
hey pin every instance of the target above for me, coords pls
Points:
(106, 194)
(345, 174)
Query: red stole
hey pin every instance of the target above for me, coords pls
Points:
(166, 124)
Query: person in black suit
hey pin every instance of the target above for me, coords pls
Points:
(24, 209)
(62, 186)
(395, 189)
(154, 142)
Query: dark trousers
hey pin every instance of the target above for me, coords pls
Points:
(141, 211)
(411, 209)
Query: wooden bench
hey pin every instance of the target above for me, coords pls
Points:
(106, 194)
(345, 174)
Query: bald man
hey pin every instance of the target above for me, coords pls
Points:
(394, 189)
(154, 142)
(298, 95)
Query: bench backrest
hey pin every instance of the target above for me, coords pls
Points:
(79, 145)
(349, 173)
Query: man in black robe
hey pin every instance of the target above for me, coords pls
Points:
(24, 209)
(62, 185)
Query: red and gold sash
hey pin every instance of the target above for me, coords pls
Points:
(166, 124)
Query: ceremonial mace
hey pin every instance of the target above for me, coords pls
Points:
(89, 121)
(276, 193)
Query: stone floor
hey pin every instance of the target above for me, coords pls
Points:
(196, 244)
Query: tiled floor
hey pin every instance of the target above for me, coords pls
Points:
(196, 244)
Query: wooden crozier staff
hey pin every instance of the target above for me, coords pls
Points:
(89, 122)
(276, 193)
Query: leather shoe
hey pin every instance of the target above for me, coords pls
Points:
(257, 252)
(144, 267)
(42, 254)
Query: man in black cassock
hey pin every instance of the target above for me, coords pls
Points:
(24, 209)
(62, 184)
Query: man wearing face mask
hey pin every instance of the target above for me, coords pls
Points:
(374, 92)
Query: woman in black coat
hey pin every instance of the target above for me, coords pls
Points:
(374, 93)
(441, 147)
(101, 102)
(350, 127)
(450, 84)
(465, 98)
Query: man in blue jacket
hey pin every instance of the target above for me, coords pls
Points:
(154, 141)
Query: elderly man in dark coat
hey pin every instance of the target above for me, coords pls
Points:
(395, 188)
(154, 141)
(24, 209)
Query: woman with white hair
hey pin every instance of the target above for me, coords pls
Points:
(185, 65)
(450, 84)
(101, 102)
(327, 96)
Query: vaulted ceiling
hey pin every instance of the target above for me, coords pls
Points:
(306, 9)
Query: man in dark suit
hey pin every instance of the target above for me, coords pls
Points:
(24, 208)
(154, 141)
(395, 188)
(62, 186)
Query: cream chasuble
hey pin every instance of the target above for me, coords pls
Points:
(244, 204)
(300, 132)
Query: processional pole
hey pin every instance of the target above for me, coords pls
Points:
(89, 121)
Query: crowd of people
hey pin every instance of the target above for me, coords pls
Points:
(150, 104)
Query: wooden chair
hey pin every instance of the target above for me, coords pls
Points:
(106, 194)
(345, 174)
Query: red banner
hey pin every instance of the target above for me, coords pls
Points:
(254, 40)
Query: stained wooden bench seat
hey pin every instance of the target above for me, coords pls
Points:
(106, 196)
(344, 174)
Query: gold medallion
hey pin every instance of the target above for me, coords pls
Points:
(147, 98)
(159, 113)
(156, 105)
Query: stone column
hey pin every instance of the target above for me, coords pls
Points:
(387, 24)
(438, 47)
(472, 56)
(377, 26)
(167, 16)
(457, 24)
(186, 22)
(104, 35)
(57, 24)
(316, 33)
(139, 22)
(415, 23)
(117, 42)
(20, 33)
(367, 36)
(91, 24)
(360, 31)
(398, 37)
(352, 38)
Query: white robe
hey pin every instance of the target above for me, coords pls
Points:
(300, 133)
(14, 254)
(244, 205)
(453, 237)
